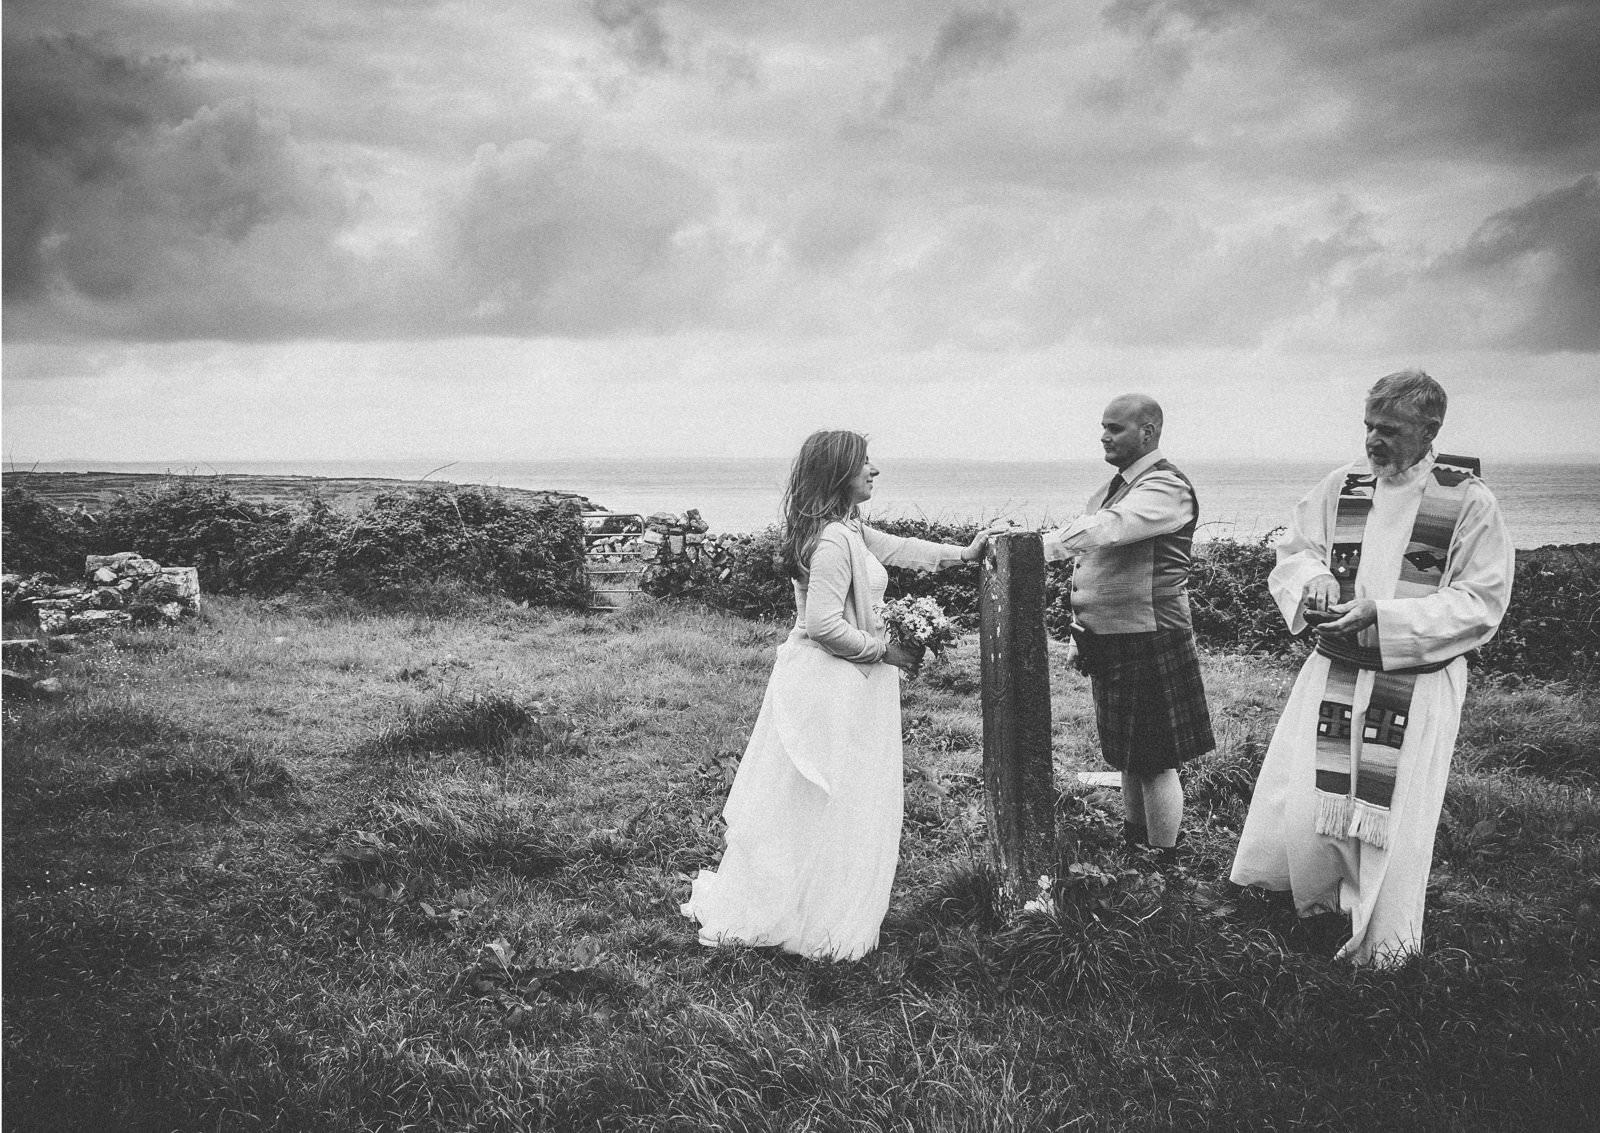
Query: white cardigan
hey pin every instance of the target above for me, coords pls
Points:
(834, 605)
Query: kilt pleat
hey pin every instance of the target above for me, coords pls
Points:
(1149, 700)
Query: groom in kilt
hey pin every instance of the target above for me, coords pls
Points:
(1135, 639)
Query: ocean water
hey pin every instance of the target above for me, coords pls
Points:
(1543, 503)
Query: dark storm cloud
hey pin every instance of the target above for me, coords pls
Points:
(580, 240)
(1171, 174)
(1520, 80)
(968, 41)
(826, 236)
(138, 207)
(70, 109)
(1409, 77)
(1161, 279)
(1555, 239)
(1526, 280)
(637, 31)
(146, 210)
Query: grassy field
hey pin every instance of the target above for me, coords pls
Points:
(301, 867)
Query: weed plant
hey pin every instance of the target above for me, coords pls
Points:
(346, 868)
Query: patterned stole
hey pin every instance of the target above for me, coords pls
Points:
(1356, 773)
(1356, 768)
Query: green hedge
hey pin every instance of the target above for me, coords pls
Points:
(471, 536)
(740, 574)
(39, 538)
(737, 573)
(491, 542)
(1552, 629)
(190, 523)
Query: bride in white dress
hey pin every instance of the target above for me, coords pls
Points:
(815, 808)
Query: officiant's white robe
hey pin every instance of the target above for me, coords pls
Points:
(1382, 889)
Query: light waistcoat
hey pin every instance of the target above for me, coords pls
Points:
(1138, 587)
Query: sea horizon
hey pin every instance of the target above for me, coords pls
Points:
(1549, 501)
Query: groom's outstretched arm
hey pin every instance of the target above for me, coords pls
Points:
(1157, 504)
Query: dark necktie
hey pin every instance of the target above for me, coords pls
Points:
(1116, 485)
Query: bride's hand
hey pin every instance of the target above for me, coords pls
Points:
(903, 657)
(975, 548)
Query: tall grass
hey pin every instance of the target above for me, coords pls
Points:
(335, 869)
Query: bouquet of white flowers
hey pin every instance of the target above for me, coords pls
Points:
(918, 623)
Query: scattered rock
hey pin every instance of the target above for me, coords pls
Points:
(127, 564)
(85, 621)
(53, 615)
(20, 686)
(103, 598)
(18, 648)
(120, 589)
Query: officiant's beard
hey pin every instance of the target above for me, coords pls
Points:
(1390, 466)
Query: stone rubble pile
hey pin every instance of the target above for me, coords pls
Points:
(617, 539)
(118, 590)
(618, 552)
(668, 535)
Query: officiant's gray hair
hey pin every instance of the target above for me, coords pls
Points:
(1410, 391)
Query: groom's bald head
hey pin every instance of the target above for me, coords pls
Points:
(1142, 408)
(1130, 427)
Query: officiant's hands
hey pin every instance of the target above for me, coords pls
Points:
(1323, 612)
(1320, 593)
(1353, 618)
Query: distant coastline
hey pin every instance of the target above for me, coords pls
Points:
(93, 490)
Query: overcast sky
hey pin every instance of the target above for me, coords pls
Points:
(494, 229)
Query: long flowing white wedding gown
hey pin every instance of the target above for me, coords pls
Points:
(814, 813)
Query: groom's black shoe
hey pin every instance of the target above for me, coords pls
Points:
(1169, 857)
(1169, 861)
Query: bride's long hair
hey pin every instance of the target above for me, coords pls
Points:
(818, 493)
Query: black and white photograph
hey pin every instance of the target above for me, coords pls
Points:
(946, 566)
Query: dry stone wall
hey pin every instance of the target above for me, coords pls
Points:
(117, 590)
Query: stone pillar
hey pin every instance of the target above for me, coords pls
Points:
(1020, 792)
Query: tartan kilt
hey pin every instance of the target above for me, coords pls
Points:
(1149, 702)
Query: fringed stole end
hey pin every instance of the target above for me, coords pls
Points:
(1370, 824)
(1333, 814)
(1340, 816)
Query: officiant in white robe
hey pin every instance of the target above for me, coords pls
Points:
(1378, 879)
